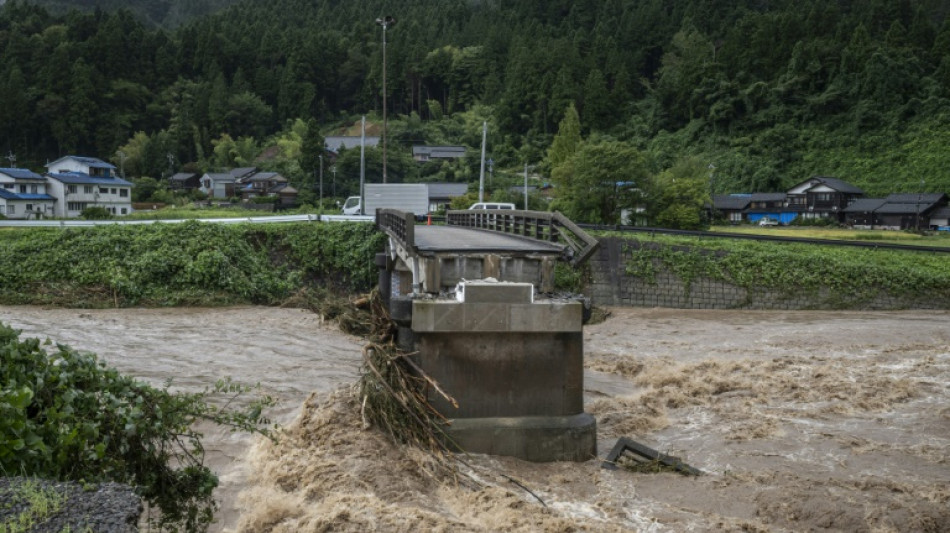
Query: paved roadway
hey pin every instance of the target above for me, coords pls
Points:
(437, 239)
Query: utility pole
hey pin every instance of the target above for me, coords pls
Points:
(481, 174)
(362, 162)
(525, 186)
(385, 22)
(320, 157)
(12, 157)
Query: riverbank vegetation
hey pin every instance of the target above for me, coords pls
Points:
(65, 415)
(845, 277)
(190, 263)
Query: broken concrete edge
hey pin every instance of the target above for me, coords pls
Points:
(625, 444)
(532, 438)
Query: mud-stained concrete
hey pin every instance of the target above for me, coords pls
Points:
(801, 421)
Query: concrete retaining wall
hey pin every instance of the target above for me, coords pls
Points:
(610, 285)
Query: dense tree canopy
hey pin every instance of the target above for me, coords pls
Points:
(768, 92)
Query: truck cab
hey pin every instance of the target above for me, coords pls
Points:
(351, 206)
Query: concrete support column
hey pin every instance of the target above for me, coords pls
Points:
(514, 365)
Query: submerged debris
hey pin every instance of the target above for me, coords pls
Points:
(631, 455)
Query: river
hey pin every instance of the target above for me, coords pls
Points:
(800, 420)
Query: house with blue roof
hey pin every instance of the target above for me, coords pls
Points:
(23, 195)
(80, 182)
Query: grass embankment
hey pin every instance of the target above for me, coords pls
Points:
(844, 276)
(841, 234)
(192, 263)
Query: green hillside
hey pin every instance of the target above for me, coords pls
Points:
(762, 94)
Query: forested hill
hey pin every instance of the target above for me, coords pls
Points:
(164, 13)
(767, 92)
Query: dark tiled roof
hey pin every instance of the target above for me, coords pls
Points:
(8, 195)
(904, 208)
(265, 176)
(768, 197)
(21, 173)
(181, 176)
(913, 198)
(864, 205)
(943, 212)
(242, 172)
(78, 178)
(731, 202)
(839, 185)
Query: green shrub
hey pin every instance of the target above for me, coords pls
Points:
(95, 213)
(65, 415)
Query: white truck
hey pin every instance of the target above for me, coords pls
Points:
(411, 197)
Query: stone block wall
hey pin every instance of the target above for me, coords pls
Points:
(610, 285)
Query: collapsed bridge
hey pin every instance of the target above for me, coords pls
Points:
(474, 303)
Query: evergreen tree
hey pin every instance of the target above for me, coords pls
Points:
(567, 140)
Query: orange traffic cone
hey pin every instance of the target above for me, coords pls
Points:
(429, 220)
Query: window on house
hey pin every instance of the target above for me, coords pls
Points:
(8, 186)
(124, 193)
(112, 191)
(23, 189)
(124, 211)
(87, 189)
(3, 209)
(11, 209)
(823, 197)
(33, 189)
(71, 189)
(29, 207)
(103, 190)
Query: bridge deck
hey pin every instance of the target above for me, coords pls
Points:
(451, 239)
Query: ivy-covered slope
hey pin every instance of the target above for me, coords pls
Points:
(193, 263)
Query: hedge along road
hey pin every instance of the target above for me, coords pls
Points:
(801, 420)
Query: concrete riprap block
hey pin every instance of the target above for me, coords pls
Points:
(495, 292)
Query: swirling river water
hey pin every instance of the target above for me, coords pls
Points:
(806, 420)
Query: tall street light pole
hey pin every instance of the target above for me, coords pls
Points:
(385, 22)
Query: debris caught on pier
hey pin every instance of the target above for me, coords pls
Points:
(393, 389)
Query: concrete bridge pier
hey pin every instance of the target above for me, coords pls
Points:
(514, 365)
(512, 361)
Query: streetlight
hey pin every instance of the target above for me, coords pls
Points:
(385, 22)
(333, 171)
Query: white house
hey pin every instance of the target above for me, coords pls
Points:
(80, 182)
(23, 194)
(217, 185)
(90, 166)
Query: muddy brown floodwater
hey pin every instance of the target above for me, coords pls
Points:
(835, 421)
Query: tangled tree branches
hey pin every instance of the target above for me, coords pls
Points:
(394, 389)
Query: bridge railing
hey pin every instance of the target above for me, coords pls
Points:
(400, 225)
(538, 225)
